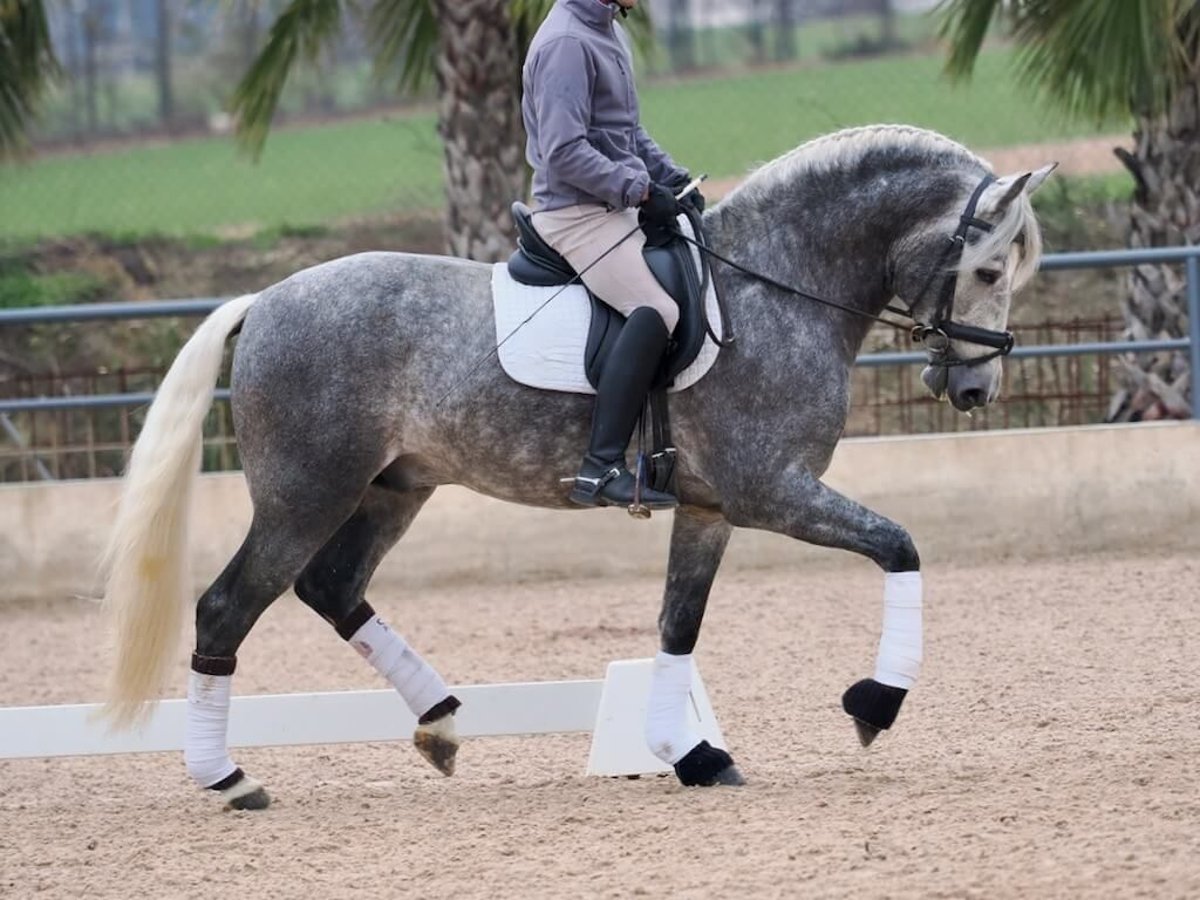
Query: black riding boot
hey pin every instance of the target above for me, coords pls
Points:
(603, 478)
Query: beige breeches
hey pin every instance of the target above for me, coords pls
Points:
(621, 279)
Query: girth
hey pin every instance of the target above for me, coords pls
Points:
(537, 263)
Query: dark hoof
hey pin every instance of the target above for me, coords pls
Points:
(866, 733)
(240, 791)
(438, 743)
(873, 706)
(256, 799)
(731, 776)
(706, 766)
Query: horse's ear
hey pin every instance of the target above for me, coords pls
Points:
(1009, 188)
(1012, 186)
(1037, 177)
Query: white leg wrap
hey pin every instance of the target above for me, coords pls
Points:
(419, 685)
(667, 732)
(204, 749)
(899, 660)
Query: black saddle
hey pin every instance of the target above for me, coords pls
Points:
(536, 262)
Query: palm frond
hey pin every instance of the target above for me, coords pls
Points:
(964, 24)
(27, 66)
(1100, 59)
(302, 30)
(404, 33)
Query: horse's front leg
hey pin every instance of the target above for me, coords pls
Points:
(698, 540)
(802, 507)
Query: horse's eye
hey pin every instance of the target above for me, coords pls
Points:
(987, 276)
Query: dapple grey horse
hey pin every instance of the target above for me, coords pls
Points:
(356, 393)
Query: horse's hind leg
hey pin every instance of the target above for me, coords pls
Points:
(334, 583)
(697, 545)
(276, 548)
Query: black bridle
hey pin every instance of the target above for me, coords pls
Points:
(937, 334)
(942, 329)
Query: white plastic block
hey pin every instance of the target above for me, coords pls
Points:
(618, 740)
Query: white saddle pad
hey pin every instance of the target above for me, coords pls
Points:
(547, 351)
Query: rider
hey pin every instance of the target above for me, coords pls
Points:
(595, 170)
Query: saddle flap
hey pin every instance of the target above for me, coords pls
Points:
(674, 266)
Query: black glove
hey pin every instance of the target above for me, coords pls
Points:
(660, 208)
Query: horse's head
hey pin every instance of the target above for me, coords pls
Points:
(965, 267)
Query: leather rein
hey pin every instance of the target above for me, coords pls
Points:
(937, 334)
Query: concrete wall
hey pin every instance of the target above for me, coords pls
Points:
(966, 496)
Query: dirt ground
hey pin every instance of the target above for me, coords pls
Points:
(1048, 751)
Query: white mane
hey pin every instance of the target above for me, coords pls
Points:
(844, 148)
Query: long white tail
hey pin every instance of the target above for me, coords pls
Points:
(146, 563)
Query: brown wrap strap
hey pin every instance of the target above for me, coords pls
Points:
(359, 616)
(438, 710)
(228, 781)
(213, 665)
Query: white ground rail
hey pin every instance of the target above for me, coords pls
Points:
(612, 709)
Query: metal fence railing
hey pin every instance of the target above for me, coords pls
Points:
(1063, 381)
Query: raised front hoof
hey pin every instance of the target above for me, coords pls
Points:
(873, 706)
(437, 742)
(240, 791)
(708, 766)
(866, 733)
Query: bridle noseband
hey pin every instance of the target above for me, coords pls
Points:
(936, 336)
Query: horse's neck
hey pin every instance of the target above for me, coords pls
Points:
(819, 247)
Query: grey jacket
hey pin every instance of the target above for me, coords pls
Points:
(581, 113)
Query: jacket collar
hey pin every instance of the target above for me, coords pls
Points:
(597, 13)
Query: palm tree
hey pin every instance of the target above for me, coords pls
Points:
(471, 49)
(474, 49)
(1133, 60)
(27, 66)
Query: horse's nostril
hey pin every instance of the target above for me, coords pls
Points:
(974, 397)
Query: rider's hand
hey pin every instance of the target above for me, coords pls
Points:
(694, 198)
(660, 207)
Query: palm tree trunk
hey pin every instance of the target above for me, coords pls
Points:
(162, 63)
(91, 37)
(480, 124)
(887, 24)
(785, 31)
(681, 40)
(754, 31)
(1165, 163)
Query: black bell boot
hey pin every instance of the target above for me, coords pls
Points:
(603, 478)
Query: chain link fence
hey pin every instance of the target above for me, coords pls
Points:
(137, 136)
(136, 188)
(91, 443)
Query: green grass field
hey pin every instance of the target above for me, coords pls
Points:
(722, 125)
